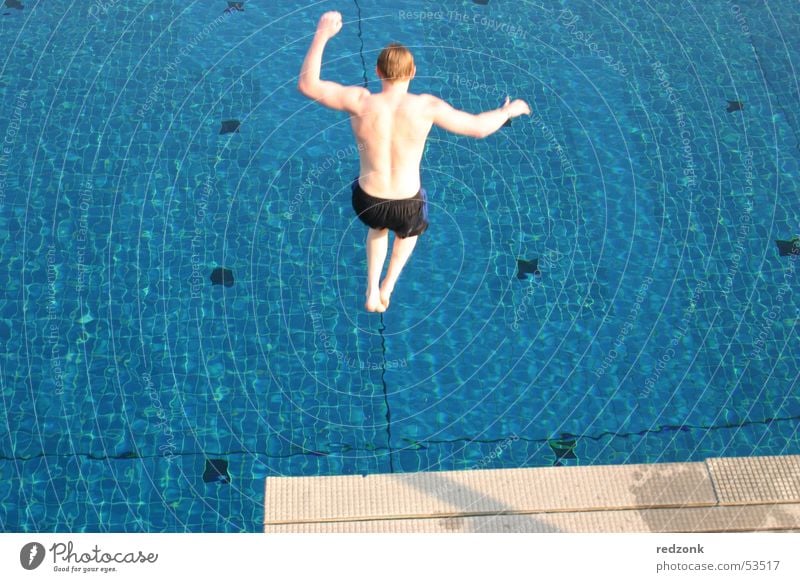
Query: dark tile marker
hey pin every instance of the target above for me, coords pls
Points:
(216, 471)
(234, 7)
(480, 2)
(222, 276)
(14, 4)
(788, 247)
(525, 268)
(230, 126)
(735, 106)
(564, 447)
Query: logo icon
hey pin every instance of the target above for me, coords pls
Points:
(32, 555)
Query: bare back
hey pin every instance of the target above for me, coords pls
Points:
(391, 129)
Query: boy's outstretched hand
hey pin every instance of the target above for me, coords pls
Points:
(516, 107)
(329, 25)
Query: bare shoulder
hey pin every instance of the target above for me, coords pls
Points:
(356, 98)
(359, 93)
(428, 103)
(428, 99)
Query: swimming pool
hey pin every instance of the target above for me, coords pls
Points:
(600, 283)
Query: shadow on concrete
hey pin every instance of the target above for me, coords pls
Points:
(657, 518)
(472, 502)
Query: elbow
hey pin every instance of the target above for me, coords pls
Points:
(480, 131)
(487, 133)
(309, 90)
(306, 88)
(302, 88)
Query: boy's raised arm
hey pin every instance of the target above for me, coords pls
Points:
(327, 93)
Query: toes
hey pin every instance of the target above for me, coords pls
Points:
(375, 307)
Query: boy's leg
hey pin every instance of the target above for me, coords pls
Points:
(377, 247)
(401, 252)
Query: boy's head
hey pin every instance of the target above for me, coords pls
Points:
(396, 63)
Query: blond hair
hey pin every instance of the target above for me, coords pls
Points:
(395, 63)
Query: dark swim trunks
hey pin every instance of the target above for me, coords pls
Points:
(406, 217)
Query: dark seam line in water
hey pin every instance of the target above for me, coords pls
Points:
(203, 454)
(386, 398)
(361, 49)
(413, 445)
(383, 325)
(665, 428)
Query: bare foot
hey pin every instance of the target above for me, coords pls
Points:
(386, 295)
(374, 303)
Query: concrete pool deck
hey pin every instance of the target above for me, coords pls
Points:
(731, 494)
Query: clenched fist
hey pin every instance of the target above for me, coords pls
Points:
(516, 107)
(329, 25)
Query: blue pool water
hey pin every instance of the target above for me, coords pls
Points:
(659, 323)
